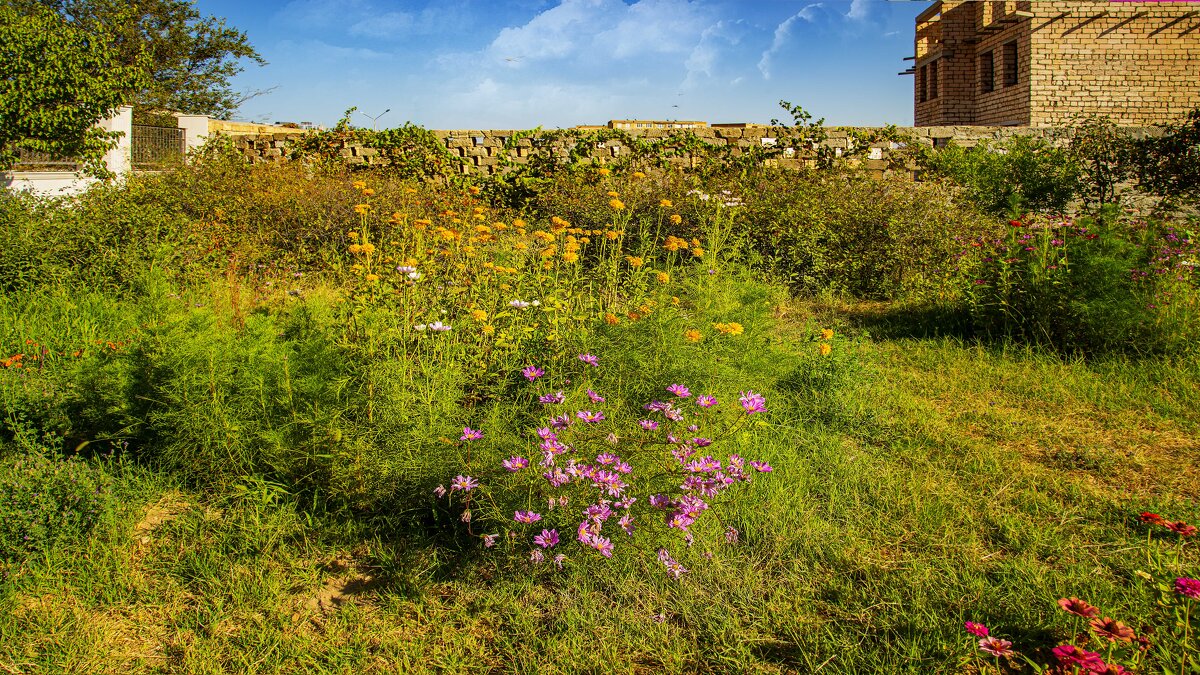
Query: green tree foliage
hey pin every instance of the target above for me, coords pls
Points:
(191, 57)
(1169, 166)
(1019, 174)
(56, 81)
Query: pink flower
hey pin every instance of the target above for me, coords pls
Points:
(976, 629)
(679, 390)
(752, 402)
(469, 434)
(1188, 588)
(515, 463)
(489, 540)
(996, 646)
(590, 360)
(1074, 656)
(1078, 608)
(547, 539)
(706, 401)
(532, 373)
(526, 516)
(464, 483)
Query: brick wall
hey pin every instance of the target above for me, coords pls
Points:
(1137, 62)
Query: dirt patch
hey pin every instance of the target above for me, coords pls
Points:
(339, 591)
(162, 511)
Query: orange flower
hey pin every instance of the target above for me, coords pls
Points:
(676, 219)
(692, 335)
(611, 319)
(617, 204)
(663, 278)
(827, 334)
(473, 190)
(368, 191)
(634, 261)
(638, 174)
(824, 348)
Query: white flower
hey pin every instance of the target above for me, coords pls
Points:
(536, 303)
(439, 327)
(414, 275)
(519, 304)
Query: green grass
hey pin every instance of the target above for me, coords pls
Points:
(948, 482)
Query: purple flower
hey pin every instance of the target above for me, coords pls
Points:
(660, 501)
(440, 491)
(626, 523)
(515, 463)
(602, 544)
(674, 569)
(558, 560)
(545, 433)
(489, 540)
(752, 402)
(561, 421)
(762, 467)
(532, 373)
(590, 360)
(464, 483)
(470, 434)
(731, 535)
(596, 398)
(702, 442)
(536, 556)
(706, 401)
(589, 416)
(607, 458)
(679, 390)
(557, 477)
(547, 539)
(551, 399)
(466, 516)
(526, 517)
(648, 425)
(1188, 588)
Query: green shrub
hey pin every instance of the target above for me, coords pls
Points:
(47, 501)
(1020, 174)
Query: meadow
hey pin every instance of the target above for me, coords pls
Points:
(298, 418)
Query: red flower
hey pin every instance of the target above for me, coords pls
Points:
(1181, 528)
(1016, 223)
(1151, 518)
(1079, 608)
(1112, 629)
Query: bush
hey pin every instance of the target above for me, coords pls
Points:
(1021, 174)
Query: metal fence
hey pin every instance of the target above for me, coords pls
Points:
(156, 147)
(32, 160)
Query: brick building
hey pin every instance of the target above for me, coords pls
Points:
(1039, 62)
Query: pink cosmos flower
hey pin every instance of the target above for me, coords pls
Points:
(515, 463)
(547, 539)
(706, 401)
(526, 516)
(440, 491)
(762, 467)
(679, 390)
(589, 416)
(464, 483)
(648, 425)
(596, 398)
(752, 402)
(489, 540)
(590, 360)
(976, 629)
(532, 373)
(469, 434)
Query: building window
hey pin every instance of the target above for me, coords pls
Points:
(1010, 64)
(987, 72)
(933, 80)
(921, 77)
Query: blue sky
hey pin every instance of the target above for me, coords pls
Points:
(500, 64)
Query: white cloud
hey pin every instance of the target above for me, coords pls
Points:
(859, 10)
(386, 25)
(783, 32)
(707, 53)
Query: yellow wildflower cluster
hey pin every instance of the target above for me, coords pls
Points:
(676, 219)
(824, 348)
(692, 335)
(665, 203)
(634, 261)
(731, 328)
(663, 278)
(616, 204)
(827, 334)
(674, 243)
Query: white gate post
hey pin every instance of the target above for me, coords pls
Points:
(119, 159)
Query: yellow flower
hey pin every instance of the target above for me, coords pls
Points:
(483, 229)
(634, 261)
(676, 219)
(397, 218)
(352, 235)
(372, 277)
(520, 246)
(355, 249)
(665, 203)
(473, 190)
(479, 315)
(361, 208)
(358, 185)
(422, 223)
(584, 240)
(827, 334)
(549, 252)
(613, 194)
(698, 252)
(611, 319)
(643, 309)
(410, 191)
(695, 242)
(499, 227)
(505, 287)
(633, 316)
(617, 204)
(674, 243)
(570, 256)
(663, 278)
(674, 299)
(603, 171)
(488, 329)
(558, 224)
(368, 191)
(638, 174)
(518, 223)
(731, 328)
(693, 335)
(611, 234)
(368, 248)
(824, 348)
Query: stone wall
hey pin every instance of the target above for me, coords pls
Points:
(482, 150)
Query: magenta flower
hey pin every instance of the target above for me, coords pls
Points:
(607, 458)
(976, 629)
(464, 483)
(762, 467)
(551, 399)
(706, 401)
(489, 540)
(1070, 655)
(559, 560)
(596, 398)
(470, 434)
(589, 416)
(602, 544)
(626, 523)
(752, 402)
(515, 463)
(526, 517)
(590, 360)
(532, 373)
(1188, 588)
(679, 390)
(996, 646)
(674, 569)
(701, 442)
(560, 421)
(648, 425)
(547, 539)
(546, 433)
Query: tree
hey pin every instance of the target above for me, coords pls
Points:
(1169, 166)
(190, 57)
(56, 82)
